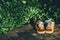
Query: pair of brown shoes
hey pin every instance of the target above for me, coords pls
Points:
(41, 29)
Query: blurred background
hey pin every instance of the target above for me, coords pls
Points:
(16, 13)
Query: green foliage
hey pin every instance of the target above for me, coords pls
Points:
(15, 13)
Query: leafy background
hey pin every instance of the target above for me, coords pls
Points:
(16, 13)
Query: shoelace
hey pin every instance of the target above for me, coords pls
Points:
(49, 22)
(40, 24)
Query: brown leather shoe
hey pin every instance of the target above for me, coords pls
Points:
(50, 27)
(40, 27)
